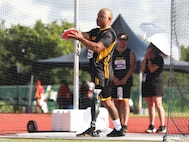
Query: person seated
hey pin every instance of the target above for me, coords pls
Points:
(65, 99)
(84, 98)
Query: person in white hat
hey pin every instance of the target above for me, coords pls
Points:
(152, 86)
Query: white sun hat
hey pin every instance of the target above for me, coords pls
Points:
(163, 42)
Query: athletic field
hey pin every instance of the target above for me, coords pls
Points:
(14, 128)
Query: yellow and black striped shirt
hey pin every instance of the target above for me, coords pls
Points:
(100, 64)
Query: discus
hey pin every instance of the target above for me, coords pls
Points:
(65, 33)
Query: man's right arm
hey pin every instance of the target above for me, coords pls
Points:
(94, 46)
(86, 35)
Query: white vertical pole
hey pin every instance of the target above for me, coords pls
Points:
(29, 107)
(76, 62)
(140, 93)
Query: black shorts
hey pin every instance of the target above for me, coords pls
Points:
(126, 91)
(106, 90)
(152, 88)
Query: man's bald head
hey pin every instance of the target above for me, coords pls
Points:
(104, 18)
(107, 12)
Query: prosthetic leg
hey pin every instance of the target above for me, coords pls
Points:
(95, 104)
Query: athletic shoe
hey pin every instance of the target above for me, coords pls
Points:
(125, 128)
(151, 129)
(116, 133)
(89, 133)
(161, 129)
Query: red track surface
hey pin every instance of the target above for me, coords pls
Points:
(17, 123)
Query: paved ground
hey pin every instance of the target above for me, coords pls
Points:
(72, 136)
(15, 126)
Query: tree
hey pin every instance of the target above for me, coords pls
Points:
(185, 53)
(22, 45)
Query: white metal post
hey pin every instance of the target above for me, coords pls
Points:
(76, 62)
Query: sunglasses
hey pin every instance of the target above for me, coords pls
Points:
(122, 39)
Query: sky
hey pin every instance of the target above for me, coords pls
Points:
(135, 12)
